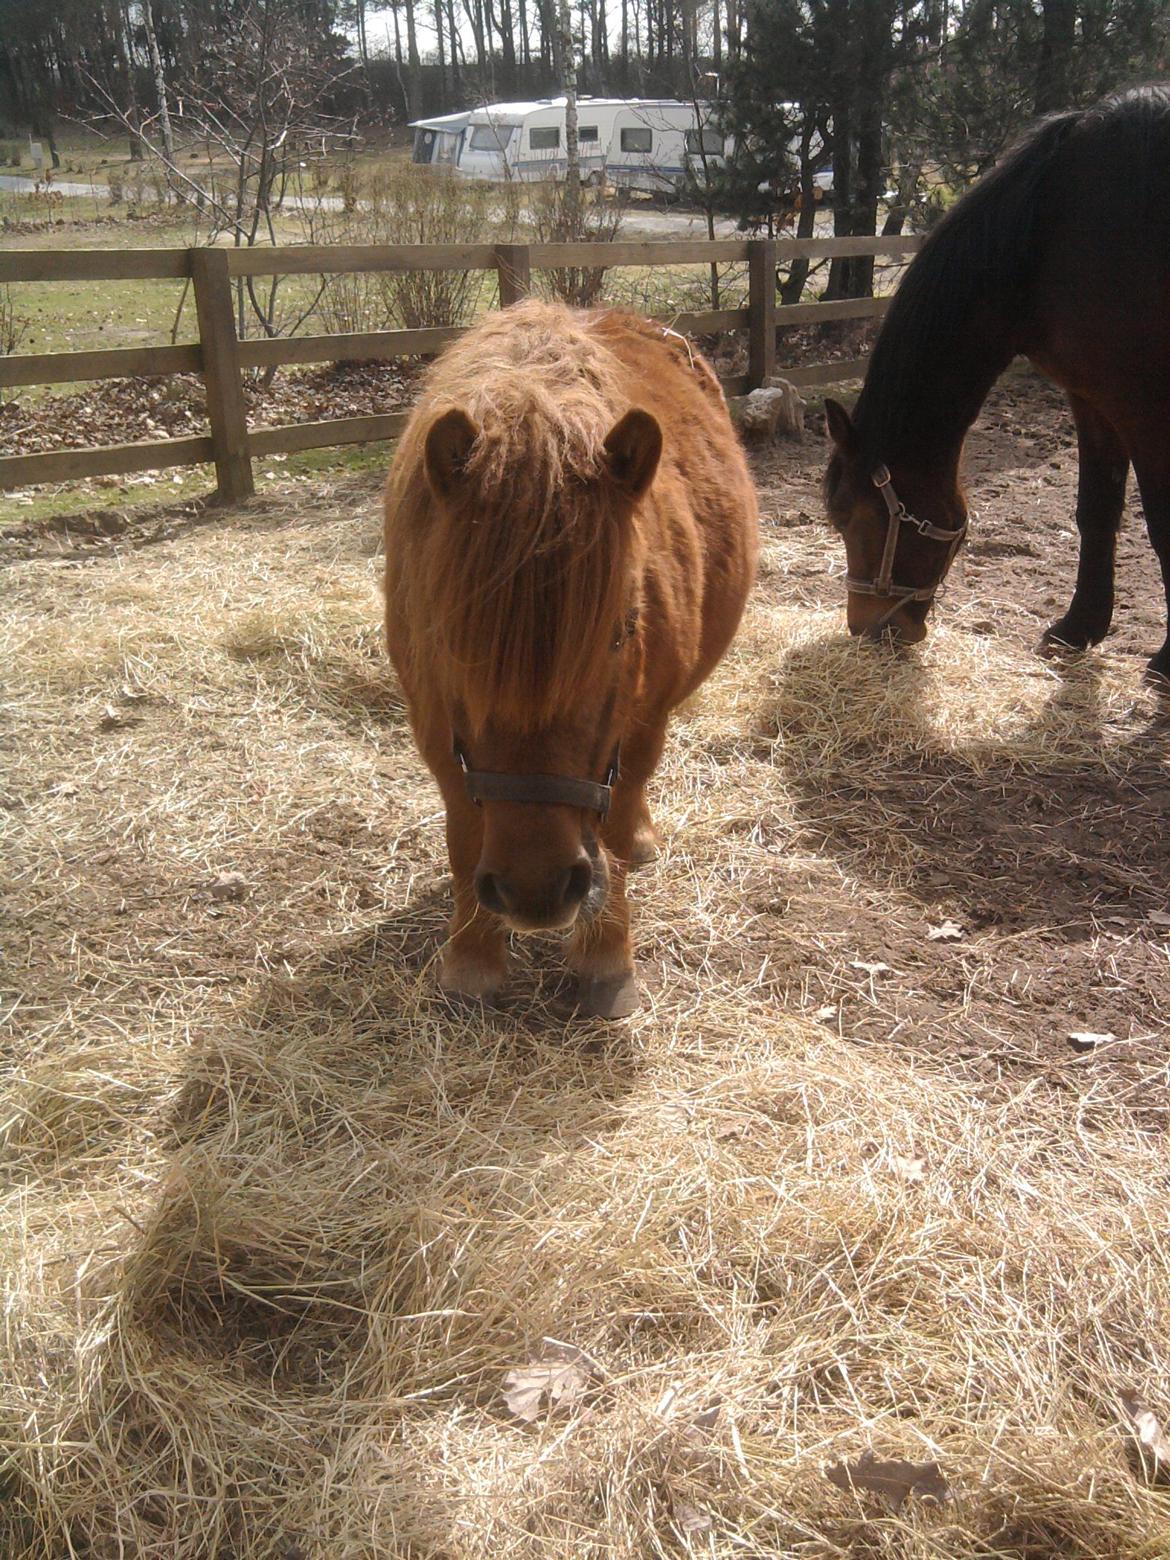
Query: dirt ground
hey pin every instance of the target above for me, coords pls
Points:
(1053, 875)
(280, 1219)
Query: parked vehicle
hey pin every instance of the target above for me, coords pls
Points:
(438, 141)
(632, 143)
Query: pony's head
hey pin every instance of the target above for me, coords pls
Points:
(901, 533)
(528, 617)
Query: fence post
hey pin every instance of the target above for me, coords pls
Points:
(513, 266)
(221, 373)
(761, 311)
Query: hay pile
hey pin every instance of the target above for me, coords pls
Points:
(279, 1223)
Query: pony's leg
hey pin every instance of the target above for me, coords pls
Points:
(1152, 467)
(601, 952)
(1104, 467)
(474, 961)
(646, 842)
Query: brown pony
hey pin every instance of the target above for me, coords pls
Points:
(570, 536)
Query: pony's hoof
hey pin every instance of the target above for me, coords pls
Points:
(1157, 672)
(613, 996)
(469, 984)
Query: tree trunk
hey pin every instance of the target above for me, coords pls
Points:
(414, 73)
(125, 48)
(807, 220)
(1053, 72)
(566, 68)
(160, 84)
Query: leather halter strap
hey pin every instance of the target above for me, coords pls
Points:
(883, 582)
(493, 785)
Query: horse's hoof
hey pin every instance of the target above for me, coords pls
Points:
(613, 996)
(1069, 634)
(1157, 672)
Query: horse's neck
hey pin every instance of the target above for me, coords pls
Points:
(925, 388)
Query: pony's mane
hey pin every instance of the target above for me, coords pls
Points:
(982, 252)
(516, 589)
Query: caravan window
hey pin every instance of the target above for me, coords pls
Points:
(712, 142)
(637, 140)
(586, 133)
(544, 138)
(490, 138)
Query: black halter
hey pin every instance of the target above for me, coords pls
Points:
(492, 785)
(883, 583)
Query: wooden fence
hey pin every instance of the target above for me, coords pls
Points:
(221, 357)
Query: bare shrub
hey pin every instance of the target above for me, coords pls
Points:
(412, 205)
(556, 219)
(14, 326)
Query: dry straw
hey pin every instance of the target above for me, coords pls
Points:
(279, 1222)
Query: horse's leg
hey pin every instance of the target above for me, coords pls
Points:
(1104, 467)
(1151, 463)
(601, 953)
(474, 961)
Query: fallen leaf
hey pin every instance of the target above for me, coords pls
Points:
(1086, 1040)
(689, 1519)
(908, 1167)
(230, 885)
(892, 1477)
(558, 1379)
(112, 719)
(1150, 1436)
(949, 931)
(827, 1013)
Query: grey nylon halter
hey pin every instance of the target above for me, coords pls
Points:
(883, 583)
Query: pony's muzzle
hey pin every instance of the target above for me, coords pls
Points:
(547, 904)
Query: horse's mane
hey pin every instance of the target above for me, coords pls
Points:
(984, 252)
(515, 593)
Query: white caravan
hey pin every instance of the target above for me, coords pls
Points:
(437, 141)
(632, 143)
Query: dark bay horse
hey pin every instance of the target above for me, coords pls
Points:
(571, 533)
(1062, 254)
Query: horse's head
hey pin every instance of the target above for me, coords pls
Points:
(901, 533)
(546, 655)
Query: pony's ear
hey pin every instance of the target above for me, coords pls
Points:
(839, 426)
(633, 448)
(449, 441)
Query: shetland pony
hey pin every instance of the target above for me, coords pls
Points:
(1062, 253)
(571, 533)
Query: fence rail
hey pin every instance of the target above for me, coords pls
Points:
(221, 357)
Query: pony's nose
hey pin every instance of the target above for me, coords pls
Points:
(551, 903)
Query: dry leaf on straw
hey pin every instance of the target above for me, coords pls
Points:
(556, 1380)
(229, 885)
(1087, 1040)
(908, 1167)
(949, 931)
(689, 1519)
(892, 1477)
(1152, 1439)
